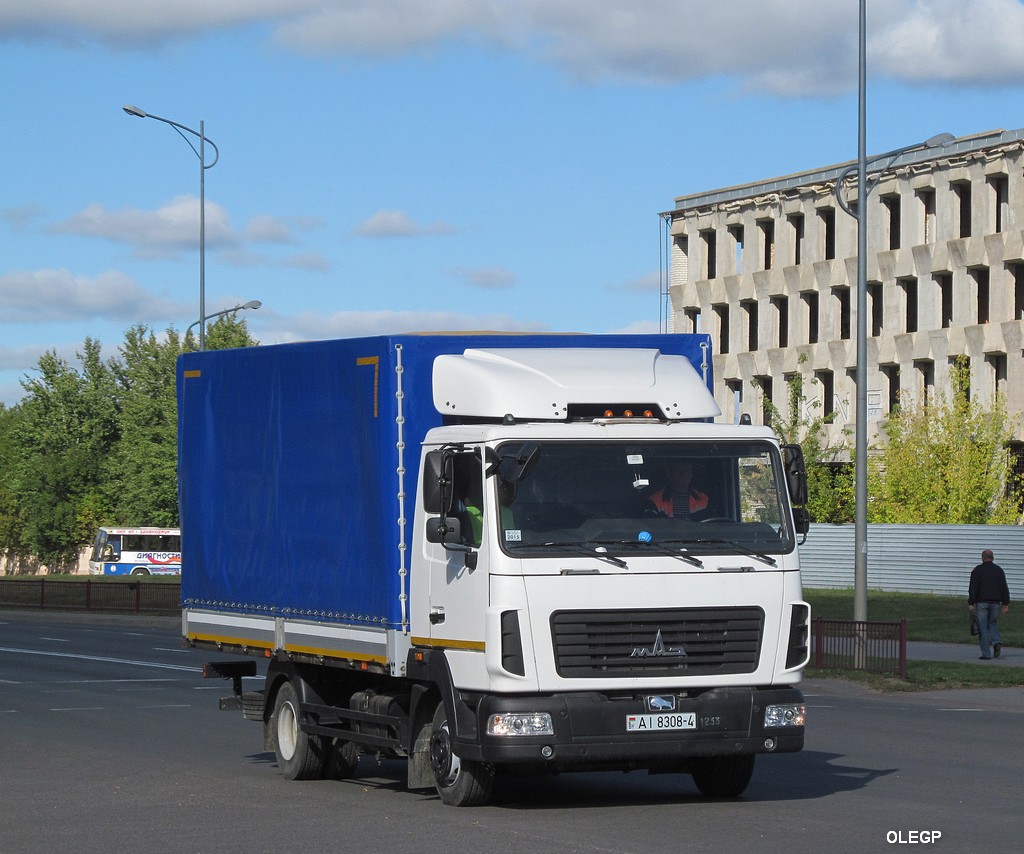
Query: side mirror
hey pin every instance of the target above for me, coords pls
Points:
(433, 468)
(514, 467)
(444, 530)
(796, 473)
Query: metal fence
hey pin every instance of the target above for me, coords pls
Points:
(874, 647)
(137, 597)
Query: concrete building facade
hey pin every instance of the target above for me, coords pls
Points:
(770, 270)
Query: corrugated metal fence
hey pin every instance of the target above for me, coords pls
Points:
(913, 558)
(140, 597)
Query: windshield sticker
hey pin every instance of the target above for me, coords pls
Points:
(514, 536)
(635, 459)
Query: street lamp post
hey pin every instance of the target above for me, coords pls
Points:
(203, 166)
(253, 303)
(860, 567)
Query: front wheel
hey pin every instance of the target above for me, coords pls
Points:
(300, 756)
(459, 783)
(724, 776)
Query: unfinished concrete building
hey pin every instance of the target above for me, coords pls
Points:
(770, 270)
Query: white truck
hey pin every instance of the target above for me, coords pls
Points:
(488, 553)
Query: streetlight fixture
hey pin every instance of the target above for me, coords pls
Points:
(253, 304)
(860, 566)
(203, 166)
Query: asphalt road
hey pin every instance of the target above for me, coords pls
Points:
(109, 737)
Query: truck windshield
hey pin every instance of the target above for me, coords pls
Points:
(689, 498)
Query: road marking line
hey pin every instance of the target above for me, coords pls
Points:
(79, 709)
(101, 658)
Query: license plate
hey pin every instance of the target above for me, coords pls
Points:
(658, 723)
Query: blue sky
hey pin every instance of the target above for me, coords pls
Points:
(400, 165)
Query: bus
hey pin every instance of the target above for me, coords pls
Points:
(136, 551)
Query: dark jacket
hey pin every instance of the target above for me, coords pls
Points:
(988, 584)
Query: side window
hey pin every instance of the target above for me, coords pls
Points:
(758, 497)
(467, 482)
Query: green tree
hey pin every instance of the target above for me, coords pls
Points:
(12, 523)
(67, 428)
(945, 461)
(830, 487)
(142, 479)
(228, 332)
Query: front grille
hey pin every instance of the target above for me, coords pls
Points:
(667, 642)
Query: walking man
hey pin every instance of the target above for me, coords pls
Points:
(987, 593)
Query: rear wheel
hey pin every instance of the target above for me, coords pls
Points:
(344, 757)
(724, 776)
(459, 783)
(300, 756)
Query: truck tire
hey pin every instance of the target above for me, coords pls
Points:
(459, 783)
(300, 756)
(343, 759)
(724, 776)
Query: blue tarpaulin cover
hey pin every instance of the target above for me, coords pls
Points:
(289, 464)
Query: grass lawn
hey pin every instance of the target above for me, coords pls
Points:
(937, 619)
(941, 619)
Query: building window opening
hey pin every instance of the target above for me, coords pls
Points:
(781, 306)
(767, 229)
(765, 384)
(962, 191)
(810, 301)
(750, 310)
(892, 209)
(722, 311)
(710, 254)
(877, 307)
(1000, 193)
(842, 296)
(892, 381)
(945, 281)
(828, 225)
(827, 381)
(927, 197)
(1017, 272)
(909, 288)
(981, 288)
(797, 223)
(926, 380)
(737, 236)
(997, 374)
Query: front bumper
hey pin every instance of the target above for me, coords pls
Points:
(590, 729)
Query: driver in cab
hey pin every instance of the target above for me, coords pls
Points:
(678, 498)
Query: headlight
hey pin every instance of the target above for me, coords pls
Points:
(790, 714)
(520, 723)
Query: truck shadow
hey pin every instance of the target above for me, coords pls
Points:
(807, 775)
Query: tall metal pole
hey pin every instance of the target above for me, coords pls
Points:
(860, 560)
(132, 110)
(202, 237)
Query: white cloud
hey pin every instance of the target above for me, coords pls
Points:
(347, 324)
(40, 296)
(391, 223)
(645, 284)
(173, 229)
(488, 278)
(166, 231)
(19, 218)
(787, 47)
(638, 327)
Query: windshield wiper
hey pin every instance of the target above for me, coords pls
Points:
(660, 547)
(739, 547)
(579, 547)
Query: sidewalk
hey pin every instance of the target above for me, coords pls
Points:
(967, 653)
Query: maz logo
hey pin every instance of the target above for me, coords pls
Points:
(659, 649)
